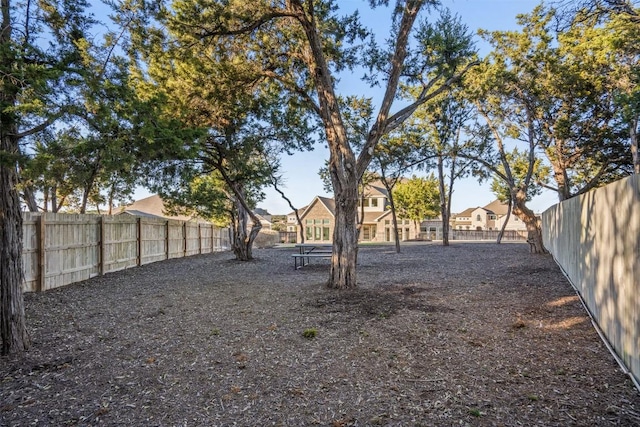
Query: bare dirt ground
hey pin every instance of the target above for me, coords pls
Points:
(474, 334)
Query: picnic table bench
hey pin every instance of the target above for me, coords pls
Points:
(306, 251)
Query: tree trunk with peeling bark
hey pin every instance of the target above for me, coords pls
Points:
(242, 241)
(532, 222)
(345, 237)
(13, 329)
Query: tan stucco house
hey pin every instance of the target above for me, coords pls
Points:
(489, 217)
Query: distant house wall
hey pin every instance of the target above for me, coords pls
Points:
(595, 238)
(514, 223)
(318, 223)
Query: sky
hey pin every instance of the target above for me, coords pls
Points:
(301, 182)
(300, 171)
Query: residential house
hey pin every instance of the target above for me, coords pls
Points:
(318, 219)
(152, 207)
(489, 217)
(292, 221)
(265, 218)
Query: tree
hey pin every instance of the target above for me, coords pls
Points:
(33, 76)
(519, 165)
(439, 125)
(233, 120)
(395, 155)
(418, 199)
(302, 44)
(569, 96)
(505, 116)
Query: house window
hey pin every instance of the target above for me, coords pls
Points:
(374, 203)
(309, 233)
(309, 221)
(478, 218)
(387, 222)
(318, 233)
(326, 221)
(365, 203)
(325, 233)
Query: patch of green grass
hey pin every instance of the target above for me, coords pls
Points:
(533, 398)
(475, 412)
(310, 333)
(215, 332)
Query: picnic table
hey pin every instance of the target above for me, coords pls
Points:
(306, 251)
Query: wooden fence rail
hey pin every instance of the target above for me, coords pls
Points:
(59, 249)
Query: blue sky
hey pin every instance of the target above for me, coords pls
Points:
(300, 171)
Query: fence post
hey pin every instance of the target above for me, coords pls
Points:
(184, 239)
(167, 241)
(139, 242)
(103, 246)
(199, 239)
(41, 253)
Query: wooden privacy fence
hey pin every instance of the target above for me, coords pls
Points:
(59, 249)
(487, 235)
(595, 238)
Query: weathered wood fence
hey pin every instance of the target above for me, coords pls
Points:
(595, 238)
(60, 249)
(487, 235)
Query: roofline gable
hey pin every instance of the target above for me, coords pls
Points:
(316, 199)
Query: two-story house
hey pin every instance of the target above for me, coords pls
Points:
(489, 217)
(318, 219)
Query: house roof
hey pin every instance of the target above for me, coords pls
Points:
(261, 212)
(300, 211)
(328, 203)
(152, 207)
(466, 213)
(373, 217)
(497, 207)
(376, 188)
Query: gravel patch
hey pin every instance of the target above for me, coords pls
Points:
(473, 334)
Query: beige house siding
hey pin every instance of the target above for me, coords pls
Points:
(318, 223)
(489, 217)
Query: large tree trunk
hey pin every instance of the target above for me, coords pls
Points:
(12, 317)
(534, 229)
(345, 237)
(242, 242)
